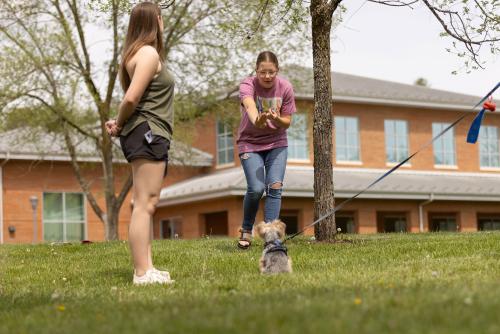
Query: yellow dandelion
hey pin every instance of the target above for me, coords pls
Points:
(61, 308)
(357, 301)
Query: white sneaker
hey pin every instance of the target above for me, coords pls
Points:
(162, 272)
(151, 277)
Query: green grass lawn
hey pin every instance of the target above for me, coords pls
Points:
(392, 283)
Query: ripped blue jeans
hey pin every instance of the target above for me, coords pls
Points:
(264, 171)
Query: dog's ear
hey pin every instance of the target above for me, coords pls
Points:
(259, 229)
(280, 226)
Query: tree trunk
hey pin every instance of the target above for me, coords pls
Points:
(321, 14)
(111, 225)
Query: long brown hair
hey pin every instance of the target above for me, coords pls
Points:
(143, 29)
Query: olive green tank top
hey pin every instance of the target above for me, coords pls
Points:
(155, 107)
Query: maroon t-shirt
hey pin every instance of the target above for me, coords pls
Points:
(280, 96)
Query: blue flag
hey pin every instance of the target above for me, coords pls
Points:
(476, 123)
(474, 127)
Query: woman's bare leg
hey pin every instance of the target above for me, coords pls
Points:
(148, 177)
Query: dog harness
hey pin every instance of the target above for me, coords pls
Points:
(275, 246)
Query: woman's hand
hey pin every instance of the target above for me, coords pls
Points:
(112, 128)
(261, 120)
(278, 121)
(273, 115)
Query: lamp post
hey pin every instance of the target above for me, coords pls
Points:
(34, 204)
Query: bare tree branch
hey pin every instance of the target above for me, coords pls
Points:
(125, 189)
(395, 3)
(59, 114)
(84, 69)
(113, 66)
(78, 173)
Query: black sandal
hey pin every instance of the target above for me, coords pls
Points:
(245, 239)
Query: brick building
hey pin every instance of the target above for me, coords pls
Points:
(41, 170)
(449, 186)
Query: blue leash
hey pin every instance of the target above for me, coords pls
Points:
(476, 127)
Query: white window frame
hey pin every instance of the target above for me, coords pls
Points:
(292, 141)
(64, 222)
(485, 139)
(345, 133)
(397, 139)
(227, 131)
(440, 144)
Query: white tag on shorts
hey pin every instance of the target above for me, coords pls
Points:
(149, 136)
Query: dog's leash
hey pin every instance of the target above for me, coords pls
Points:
(472, 132)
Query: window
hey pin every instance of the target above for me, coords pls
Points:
(291, 220)
(298, 148)
(488, 147)
(443, 223)
(345, 221)
(63, 217)
(346, 139)
(444, 146)
(216, 224)
(396, 140)
(225, 147)
(391, 222)
(171, 228)
(488, 223)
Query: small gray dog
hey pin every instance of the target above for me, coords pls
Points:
(274, 258)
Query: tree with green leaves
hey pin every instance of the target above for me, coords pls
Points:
(472, 25)
(51, 83)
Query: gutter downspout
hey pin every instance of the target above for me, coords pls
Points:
(7, 158)
(421, 212)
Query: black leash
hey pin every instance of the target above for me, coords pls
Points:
(341, 205)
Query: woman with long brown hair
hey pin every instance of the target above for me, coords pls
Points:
(144, 125)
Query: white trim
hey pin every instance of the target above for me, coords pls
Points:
(417, 196)
(226, 165)
(490, 169)
(347, 162)
(399, 103)
(298, 161)
(394, 195)
(392, 164)
(446, 166)
(416, 172)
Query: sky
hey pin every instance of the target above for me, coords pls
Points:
(389, 43)
(401, 45)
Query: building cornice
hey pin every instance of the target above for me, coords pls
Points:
(394, 103)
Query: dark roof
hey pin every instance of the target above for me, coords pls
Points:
(299, 181)
(357, 89)
(22, 144)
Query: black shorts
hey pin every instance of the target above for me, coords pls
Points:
(135, 146)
